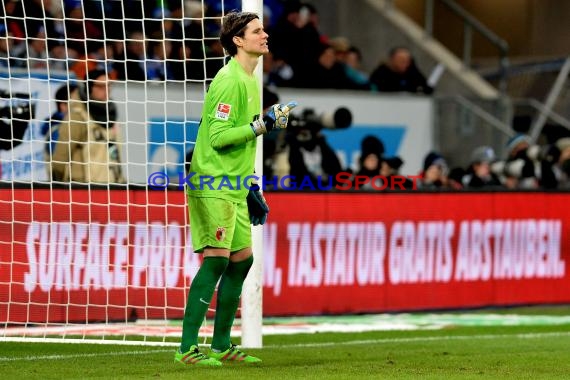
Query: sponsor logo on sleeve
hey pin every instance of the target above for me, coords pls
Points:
(223, 111)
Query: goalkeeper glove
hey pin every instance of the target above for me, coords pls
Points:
(257, 206)
(276, 117)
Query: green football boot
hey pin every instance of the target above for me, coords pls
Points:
(232, 354)
(195, 357)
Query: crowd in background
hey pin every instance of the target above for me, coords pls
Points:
(178, 40)
(305, 153)
(525, 167)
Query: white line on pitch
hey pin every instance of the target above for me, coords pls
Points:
(424, 339)
(321, 344)
(72, 356)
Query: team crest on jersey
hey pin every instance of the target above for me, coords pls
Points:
(223, 111)
(220, 234)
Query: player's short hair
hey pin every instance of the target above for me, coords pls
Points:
(234, 24)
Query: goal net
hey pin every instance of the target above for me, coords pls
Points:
(100, 250)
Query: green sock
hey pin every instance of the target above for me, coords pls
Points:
(199, 297)
(229, 292)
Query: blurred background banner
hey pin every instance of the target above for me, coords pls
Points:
(400, 252)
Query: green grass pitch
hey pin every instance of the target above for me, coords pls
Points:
(507, 352)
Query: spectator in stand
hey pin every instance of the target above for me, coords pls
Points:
(50, 127)
(56, 37)
(134, 66)
(161, 21)
(310, 156)
(179, 60)
(184, 64)
(400, 74)
(16, 55)
(390, 169)
(285, 30)
(479, 174)
(341, 45)
(434, 175)
(39, 57)
(186, 61)
(159, 50)
(35, 56)
(78, 30)
(371, 156)
(455, 178)
(353, 70)
(310, 13)
(213, 52)
(327, 72)
(115, 22)
(102, 57)
(14, 22)
(86, 150)
(29, 16)
(303, 54)
(276, 73)
(349, 58)
(214, 58)
(36, 15)
(7, 59)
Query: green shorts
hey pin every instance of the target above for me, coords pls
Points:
(219, 223)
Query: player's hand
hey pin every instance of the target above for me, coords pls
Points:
(257, 206)
(276, 117)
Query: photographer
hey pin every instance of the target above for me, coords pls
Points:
(531, 166)
(519, 170)
(86, 150)
(50, 127)
(555, 165)
(310, 156)
(479, 174)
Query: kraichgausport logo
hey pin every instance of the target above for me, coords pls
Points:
(343, 181)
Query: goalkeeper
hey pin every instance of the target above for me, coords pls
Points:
(222, 210)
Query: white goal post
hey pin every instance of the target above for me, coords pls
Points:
(252, 297)
(106, 263)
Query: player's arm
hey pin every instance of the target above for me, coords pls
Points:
(223, 135)
(226, 128)
(225, 119)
